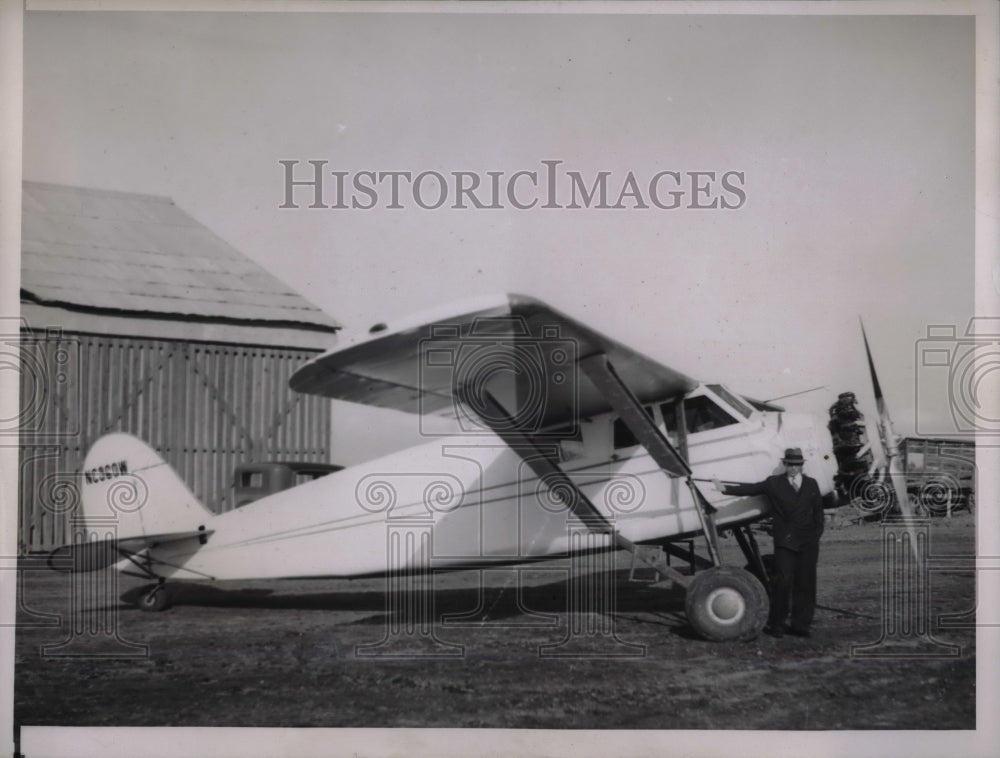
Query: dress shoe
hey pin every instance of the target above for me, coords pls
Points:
(774, 631)
(798, 632)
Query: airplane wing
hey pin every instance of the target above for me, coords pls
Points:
(515, 348)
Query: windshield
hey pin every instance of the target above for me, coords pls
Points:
(731, 399)
(701, 414)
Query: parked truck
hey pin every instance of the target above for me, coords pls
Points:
(940, 473)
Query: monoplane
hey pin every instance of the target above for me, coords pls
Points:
(561, 441)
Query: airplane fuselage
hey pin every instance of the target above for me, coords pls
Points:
(469, 500)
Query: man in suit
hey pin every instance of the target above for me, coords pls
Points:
(797, 518)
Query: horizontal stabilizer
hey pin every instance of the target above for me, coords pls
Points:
(97, 555)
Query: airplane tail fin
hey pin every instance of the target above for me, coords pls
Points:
(129, 492)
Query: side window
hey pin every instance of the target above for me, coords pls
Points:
(701, 414)
(669, 411)
(623, 436)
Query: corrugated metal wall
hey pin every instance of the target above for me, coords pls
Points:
(204, 407)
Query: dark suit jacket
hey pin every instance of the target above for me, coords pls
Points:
(798, 516)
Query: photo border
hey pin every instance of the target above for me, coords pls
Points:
(39, 741)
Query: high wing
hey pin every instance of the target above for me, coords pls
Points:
(515, 348)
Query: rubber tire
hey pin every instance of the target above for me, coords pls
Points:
(769, 569)
(726, 604)
(155, 600)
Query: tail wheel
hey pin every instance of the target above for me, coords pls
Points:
(157, 599)
(726, 603)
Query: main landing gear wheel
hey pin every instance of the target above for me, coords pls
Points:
(770, 572)
(726, 603)
(157, 599)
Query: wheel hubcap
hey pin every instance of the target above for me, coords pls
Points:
(725, 605)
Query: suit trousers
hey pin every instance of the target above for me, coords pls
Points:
(794, 586)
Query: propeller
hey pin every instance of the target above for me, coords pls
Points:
(890, 444)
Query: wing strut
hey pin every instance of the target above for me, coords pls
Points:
(603, 375)
(546, 467)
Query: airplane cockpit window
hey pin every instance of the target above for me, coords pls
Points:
(730, 398)
(623, 436)
(702, 414)
(669, 411)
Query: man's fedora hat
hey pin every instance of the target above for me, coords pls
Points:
(793, 455)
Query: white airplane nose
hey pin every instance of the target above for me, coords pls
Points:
(809, 433)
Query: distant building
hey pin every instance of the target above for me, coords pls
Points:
(137, 318)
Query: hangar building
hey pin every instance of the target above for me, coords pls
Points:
(136, 318)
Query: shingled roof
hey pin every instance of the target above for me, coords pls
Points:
(120, 253)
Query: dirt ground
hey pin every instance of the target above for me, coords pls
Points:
(331, 653)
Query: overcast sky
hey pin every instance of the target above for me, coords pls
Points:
(852, 139)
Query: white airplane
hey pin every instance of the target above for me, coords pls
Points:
(566, 441)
